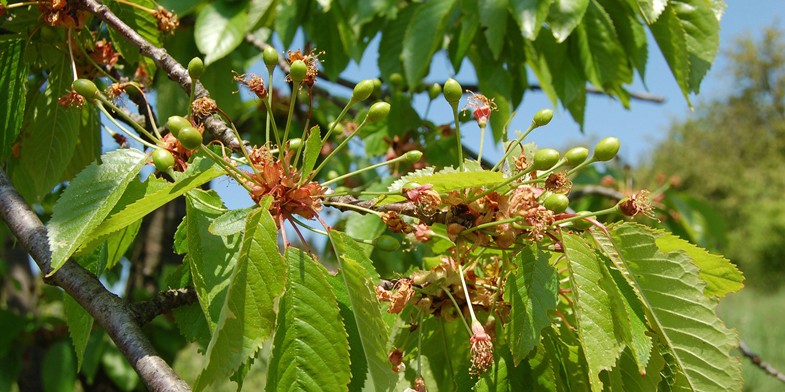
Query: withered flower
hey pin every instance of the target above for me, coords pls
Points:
(395, 222)
(481, 350)
(481, 107)
(558, 183)
(71, 100)
(638, 203)
(203, 107)
(255, 83)
(167, 21)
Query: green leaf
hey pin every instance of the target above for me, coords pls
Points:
(530, 15)
(313, 146)
(687, 33)
(200, 172)
(220, 28)
(600, 341)
(141, 22)
(360, 307)
(445, 181)
(494, 84)
(683, 318)
(493, 19)
(720, 275)
(58, 370)
(564, 16)
(651, 9)
(391, 44)
(423, 36)
(88, 144)
(248, 314)
(533, 292)
(12, 83)
(603, 58)
(88, 200)
(467, 29)
(289, 15)
(310, 350)
(631, 33)
(48, 137)
(79, 321)
(702, 34)
(231, 222)
(330, 32)
(211, 258)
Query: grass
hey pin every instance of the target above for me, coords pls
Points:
(757, 316)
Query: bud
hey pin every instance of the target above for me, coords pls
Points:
(195, 68)
(377, 87)
(543, 117)
(362, 91)
(298, 70)
(412, 156)
(452, 91)
(378, 112)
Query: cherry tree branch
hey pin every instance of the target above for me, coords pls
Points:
(109, 310)
(165, 62)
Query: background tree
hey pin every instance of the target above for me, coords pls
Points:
(488, 243)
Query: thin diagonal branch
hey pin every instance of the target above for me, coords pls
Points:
(165, 62)
(109, 310)
(760, 363)
(163, 302)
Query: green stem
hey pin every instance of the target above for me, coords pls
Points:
(317, 231)
(337, 120)
(492, 224)
(122, 128)
(351, 207)
(507, 153)
(580, 166)
(231, 170)
(295, 90)
(460, 313)
(269, 103)
(458, 134)
(125, 117)
(336, 150)
(466, 293)
(365, 169)
(607, 211)
(240, 140)
(482, 142)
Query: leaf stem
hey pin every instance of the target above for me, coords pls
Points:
(122, 128)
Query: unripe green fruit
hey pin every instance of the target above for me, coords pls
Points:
(162, 159)
(378, 112)
(85, 88)
(543, 117)
(577, 155)
(396, 80)
(270, 57)
(387, 243)
(190, 137)
(295, 144)
(332, 174)
(298, 70)
(545, 158)
(434, 91)
(362, 90)
(176, 123)
(581, 224)
(413, 156)
(557, 203)
(452, 91)
(606, 149)
(195, 68)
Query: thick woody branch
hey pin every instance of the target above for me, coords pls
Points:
(109, 310)
(165, 62)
